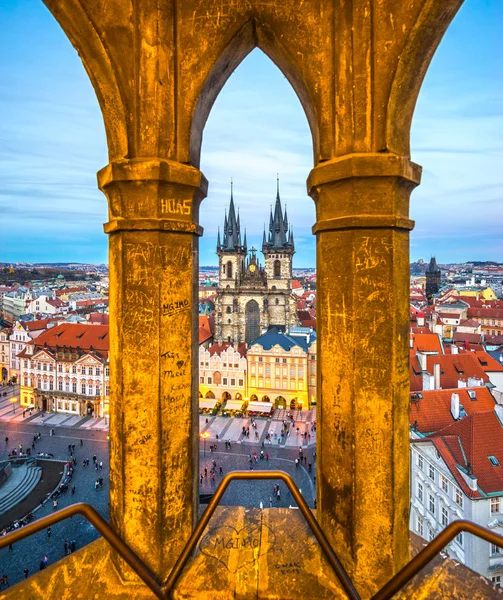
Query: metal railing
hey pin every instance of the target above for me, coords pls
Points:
(164, 591)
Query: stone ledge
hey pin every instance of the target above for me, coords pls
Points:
(244, 554)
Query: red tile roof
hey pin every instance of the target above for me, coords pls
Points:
(36, 325)
(296, 284)
(205, 332)
(432, 411)
(73, 335)
(454, 367)
(487, 362)
(487, 313)
(99, 319)
(470, 338)
(218, 348)
(427, 342)
(472, 440)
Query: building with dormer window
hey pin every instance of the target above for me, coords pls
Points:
(66, 370)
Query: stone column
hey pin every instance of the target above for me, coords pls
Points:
(153, 246)
(362, 229)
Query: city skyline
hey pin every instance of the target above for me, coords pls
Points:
(53, 143)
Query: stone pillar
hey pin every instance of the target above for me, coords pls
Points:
(153, 246)
(362, 229)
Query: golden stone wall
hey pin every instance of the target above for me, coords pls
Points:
(357, 67)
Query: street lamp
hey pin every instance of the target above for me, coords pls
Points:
(13, 401)
(204, 436)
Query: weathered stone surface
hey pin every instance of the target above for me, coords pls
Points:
(357, 66)
(244, 555)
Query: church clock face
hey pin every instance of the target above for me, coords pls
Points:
(252, 268)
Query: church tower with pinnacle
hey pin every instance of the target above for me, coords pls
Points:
(252, 297)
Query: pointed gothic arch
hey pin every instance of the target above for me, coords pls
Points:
(277, 268)
(251, 35)
(252, 320)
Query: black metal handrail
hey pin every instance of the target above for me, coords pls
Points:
(163, 592)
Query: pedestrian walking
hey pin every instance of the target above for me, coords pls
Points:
(26, 573)
(48, 532)
(11, 548)
(221, 471)
(46, 560)
(81, 442)
(55, 504)
(6, 440)
(73, 447)
(73, 490)
(94, 458)
(65, 547)
(205, 472)
(42, 565)
(5, 581)
(101, 465)
(270, 501)
(201, 479)
(72, 546)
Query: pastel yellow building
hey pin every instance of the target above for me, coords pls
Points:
(282, 368)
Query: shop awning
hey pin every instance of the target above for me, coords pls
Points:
(208, 403)
(234, 404)
(262, 407)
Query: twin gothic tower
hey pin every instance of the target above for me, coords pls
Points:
(252, 297)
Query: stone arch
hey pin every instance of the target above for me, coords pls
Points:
(238, 396)
(252, 321)
(226, 396)
(414, 61)
(254, 398)
(210, 395)
(266, 399)
(250, 36)
(280, 402)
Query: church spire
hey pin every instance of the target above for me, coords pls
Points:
(231, 241)
(278, 227)
(219, 245)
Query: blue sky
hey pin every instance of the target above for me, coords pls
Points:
(52, 143)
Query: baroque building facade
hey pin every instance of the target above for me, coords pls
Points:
(252, 297)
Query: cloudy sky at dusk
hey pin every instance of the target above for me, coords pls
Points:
(52, 142)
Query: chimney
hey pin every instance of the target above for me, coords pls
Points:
(454, 349)
(475, 382)
(436, 375)
(428, 382)
(461, 383)
(411, 343)
(420, 319)
(455, 406)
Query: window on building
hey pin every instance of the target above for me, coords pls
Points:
(210, 380)
(445, 517)
(284, 361)
(240, 382)
(51, 367)
(459, 539)
(45, 367)
(431, 472)
(420, 491)
(267, 370)
(260, 359)
(458, 497)
(431, 504)
(420, 525)
(67, 387)
(107, 390)
(60, 368)
(90, 391)
(60, 386)
(495, 505)
(51, 385)
(228, 310)
(444, 483)
(277, 268)
(420, 462)
(229, 270)
(277, 360)
(496, 579)
(98, 371)
(74, 388)
(74, 369)
(431, 534)
(25, 364)
(301, 372)
(201, 379)
(233, 382)
(292, 372)
(83, 389)
(224, 381)
(107, 372)
(494, 461)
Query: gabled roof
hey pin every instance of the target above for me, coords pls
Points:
(205, 332)
(74, 335)
(36, 325)
(287, 342)
(487, 313)
(469, 443)
(427, 342)
(432, 411)
(454, 367)
(296, 284)
(217, 349)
